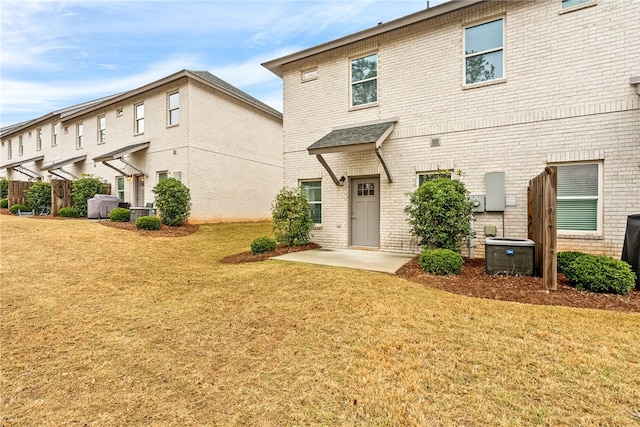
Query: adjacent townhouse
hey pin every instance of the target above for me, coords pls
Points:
(223, 144)
(488, 92)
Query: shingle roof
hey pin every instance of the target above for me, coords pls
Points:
(349, 137)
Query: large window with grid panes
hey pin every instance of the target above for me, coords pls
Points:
(313, 192)
(579, 197)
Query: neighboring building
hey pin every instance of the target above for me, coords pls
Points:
(225, 145)
(478, 87)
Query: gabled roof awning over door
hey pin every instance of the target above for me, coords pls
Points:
(353, 138)
(55, 166)
(17, 166)
(120, 153)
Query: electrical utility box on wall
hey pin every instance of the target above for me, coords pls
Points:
(495, 198)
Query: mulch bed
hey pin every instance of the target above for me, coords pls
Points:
(165, 230)
(280, 250)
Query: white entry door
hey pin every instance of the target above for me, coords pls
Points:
(365, 211)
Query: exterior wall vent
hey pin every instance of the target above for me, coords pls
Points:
(435, 141)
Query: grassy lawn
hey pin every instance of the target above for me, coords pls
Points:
(103, 327)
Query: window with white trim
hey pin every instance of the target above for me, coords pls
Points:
(431, 175)
(120, 188)
(173, 105)
(9, 149)
(484, 52)
(39, 139)
(364, 80)
(139, 118)
(55, 129)
(20, 146)
(79, 135)
(102, 129)
(570, 3)
(579, 193)
(162, 175)
(313, 192)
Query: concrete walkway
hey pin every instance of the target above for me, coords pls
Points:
(385, 262)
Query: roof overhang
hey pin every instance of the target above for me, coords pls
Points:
(21, 162)
(354, 138)
(119, 154)
(635, 81)
(276, 66)
(58, 165)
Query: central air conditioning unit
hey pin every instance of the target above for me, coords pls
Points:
(510, 257)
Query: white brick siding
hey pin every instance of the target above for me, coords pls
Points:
(566, 97)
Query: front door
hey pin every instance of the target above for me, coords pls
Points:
(365, 211)
(138, 190)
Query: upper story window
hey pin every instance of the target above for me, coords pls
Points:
(39, 139)
(579, 195)
(55, 129)
(484, 52)
(570, 3)
(79, 135)
(139, 118)
(173, 103)
(9, 149)
(364, 80)
(20, 146)
(102, 129)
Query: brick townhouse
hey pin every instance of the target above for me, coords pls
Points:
(491, 92)
(223, 144)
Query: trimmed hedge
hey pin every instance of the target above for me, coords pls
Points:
(603, 274)
(148, 223)
(262, 245)
(120, 215)
(565, 259)
(69, 212)
(441, 261)
(19, 207)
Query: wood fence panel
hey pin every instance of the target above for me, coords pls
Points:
(542, 227)
(60, 195)
(18, 192)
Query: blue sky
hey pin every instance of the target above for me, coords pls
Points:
(55, 54)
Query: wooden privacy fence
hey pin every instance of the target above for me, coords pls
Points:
(542, 227)
(18, 192)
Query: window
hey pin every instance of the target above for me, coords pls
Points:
(139, 125)
(163, 175)
(54, 134)
(367, 189)
(429, 176)
(39, 139)
(313, 192)
(79, 135)
(484, 52)
(578, 197)
(174, 108)
(309, 75)
(102, 129)
(9, 149)
(570, 3)
(120, 188)
(364, 80)
(20, 146)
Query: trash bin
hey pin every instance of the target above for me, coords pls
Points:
(631, 247)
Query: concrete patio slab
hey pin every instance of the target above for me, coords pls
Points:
(385, 262)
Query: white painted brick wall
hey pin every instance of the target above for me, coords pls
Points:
(566, 97)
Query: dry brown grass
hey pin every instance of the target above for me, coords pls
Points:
(104, 327)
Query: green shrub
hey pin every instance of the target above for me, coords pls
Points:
(439, 214)
(173, 201)
(84, 188)
(120, 215)
(441, 261)
(262, 245)
(39, 195)
(599, 273)
(69, 212)
(4, 203)
(4, 188)
(292, 219)
(19, 207)
(148, 223)
(565, 259)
